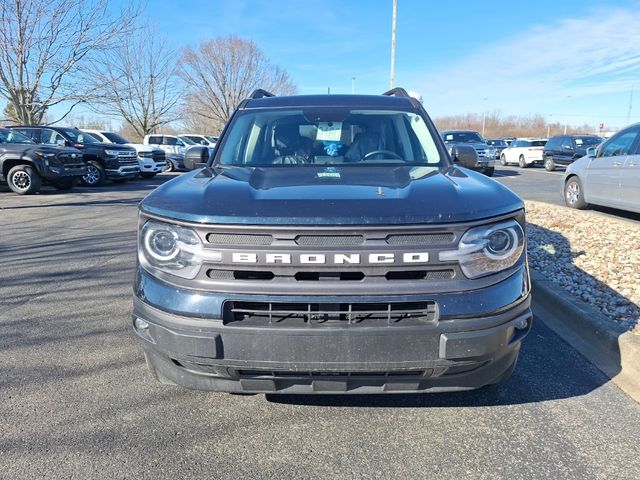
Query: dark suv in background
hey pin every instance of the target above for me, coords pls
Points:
(486, 153)
(565, 149)
(104, 160)
(24, 165)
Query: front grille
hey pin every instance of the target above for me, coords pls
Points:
(159, 156)
(330, 375)
(421, 239)
(239, 239)
(298, 314)
(329, 240)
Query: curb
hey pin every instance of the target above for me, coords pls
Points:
(604, 343)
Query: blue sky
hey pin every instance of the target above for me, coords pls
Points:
(569, 60)
(572, 61)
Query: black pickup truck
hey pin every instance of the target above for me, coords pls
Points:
(118, 163)
(25, 165)
(330, 245)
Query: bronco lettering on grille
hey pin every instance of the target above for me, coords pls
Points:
(337, 258)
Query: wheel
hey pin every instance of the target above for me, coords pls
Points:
(170, 167)
(521, 162)
(65, 184)
(147, 174)
(503, 160)
(574, 194)
(24, 180)
(489, 171)
(549, 164)
(95, 175)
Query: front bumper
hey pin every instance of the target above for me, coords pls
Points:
(485, 162)
(60, 171)
(149, 166)
(471, 344)
(127, 171)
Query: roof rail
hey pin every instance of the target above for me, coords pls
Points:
(260, 93)
(397, 92)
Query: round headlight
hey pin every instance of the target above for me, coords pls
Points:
(501, 243)
(161, 244)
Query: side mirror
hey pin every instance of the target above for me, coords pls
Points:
(465, 156)
(196, 157)
(61, 142)
(591, 152)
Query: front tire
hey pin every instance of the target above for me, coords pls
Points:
(549, 164)
(95, 175)
(574, 193)
(521, 162)
(489, 171)
(24, 180)
(170, 166)
(503, 160)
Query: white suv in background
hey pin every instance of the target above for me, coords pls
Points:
(171, 144)
(524, 151)
(208, 141)
(150, 160)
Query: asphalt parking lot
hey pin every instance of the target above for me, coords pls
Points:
(76, 400)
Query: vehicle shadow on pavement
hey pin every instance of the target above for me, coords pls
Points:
(501, 172)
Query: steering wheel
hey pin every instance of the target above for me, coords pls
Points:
(378, 152)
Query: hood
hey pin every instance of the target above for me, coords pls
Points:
(110, 146)
(24, 148)
(315, 195)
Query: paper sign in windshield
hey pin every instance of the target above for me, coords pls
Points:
(329, 131)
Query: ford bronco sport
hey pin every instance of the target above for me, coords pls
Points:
(330, 245)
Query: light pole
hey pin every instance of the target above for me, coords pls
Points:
(393, 45)
(353, 85)
(484, 114)
(568, 97)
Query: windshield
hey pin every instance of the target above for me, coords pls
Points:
(187, 141)
(327, 136)
(497, 143)
(115, 138)
(79, 137)
(588, 141)
(10, 136)
(462, 137)
(538, 143)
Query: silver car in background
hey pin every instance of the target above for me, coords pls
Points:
(609, 175)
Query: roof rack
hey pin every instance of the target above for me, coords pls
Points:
(260, 93)
(397, 92)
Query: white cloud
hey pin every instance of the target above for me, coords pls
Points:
(541, 69)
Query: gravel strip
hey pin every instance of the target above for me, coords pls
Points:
(595, 258)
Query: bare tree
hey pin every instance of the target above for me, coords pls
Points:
(138, 82)
(43, 46)
(223, 71)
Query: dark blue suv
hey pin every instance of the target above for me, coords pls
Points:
(330, 245)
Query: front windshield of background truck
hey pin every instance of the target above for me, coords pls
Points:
(115, 138)
(462, 137)
(77, 136)
(328, 136)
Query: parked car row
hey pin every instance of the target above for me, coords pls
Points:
(62, 157)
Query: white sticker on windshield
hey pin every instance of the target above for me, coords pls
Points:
(448, 137)
(329, 131)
